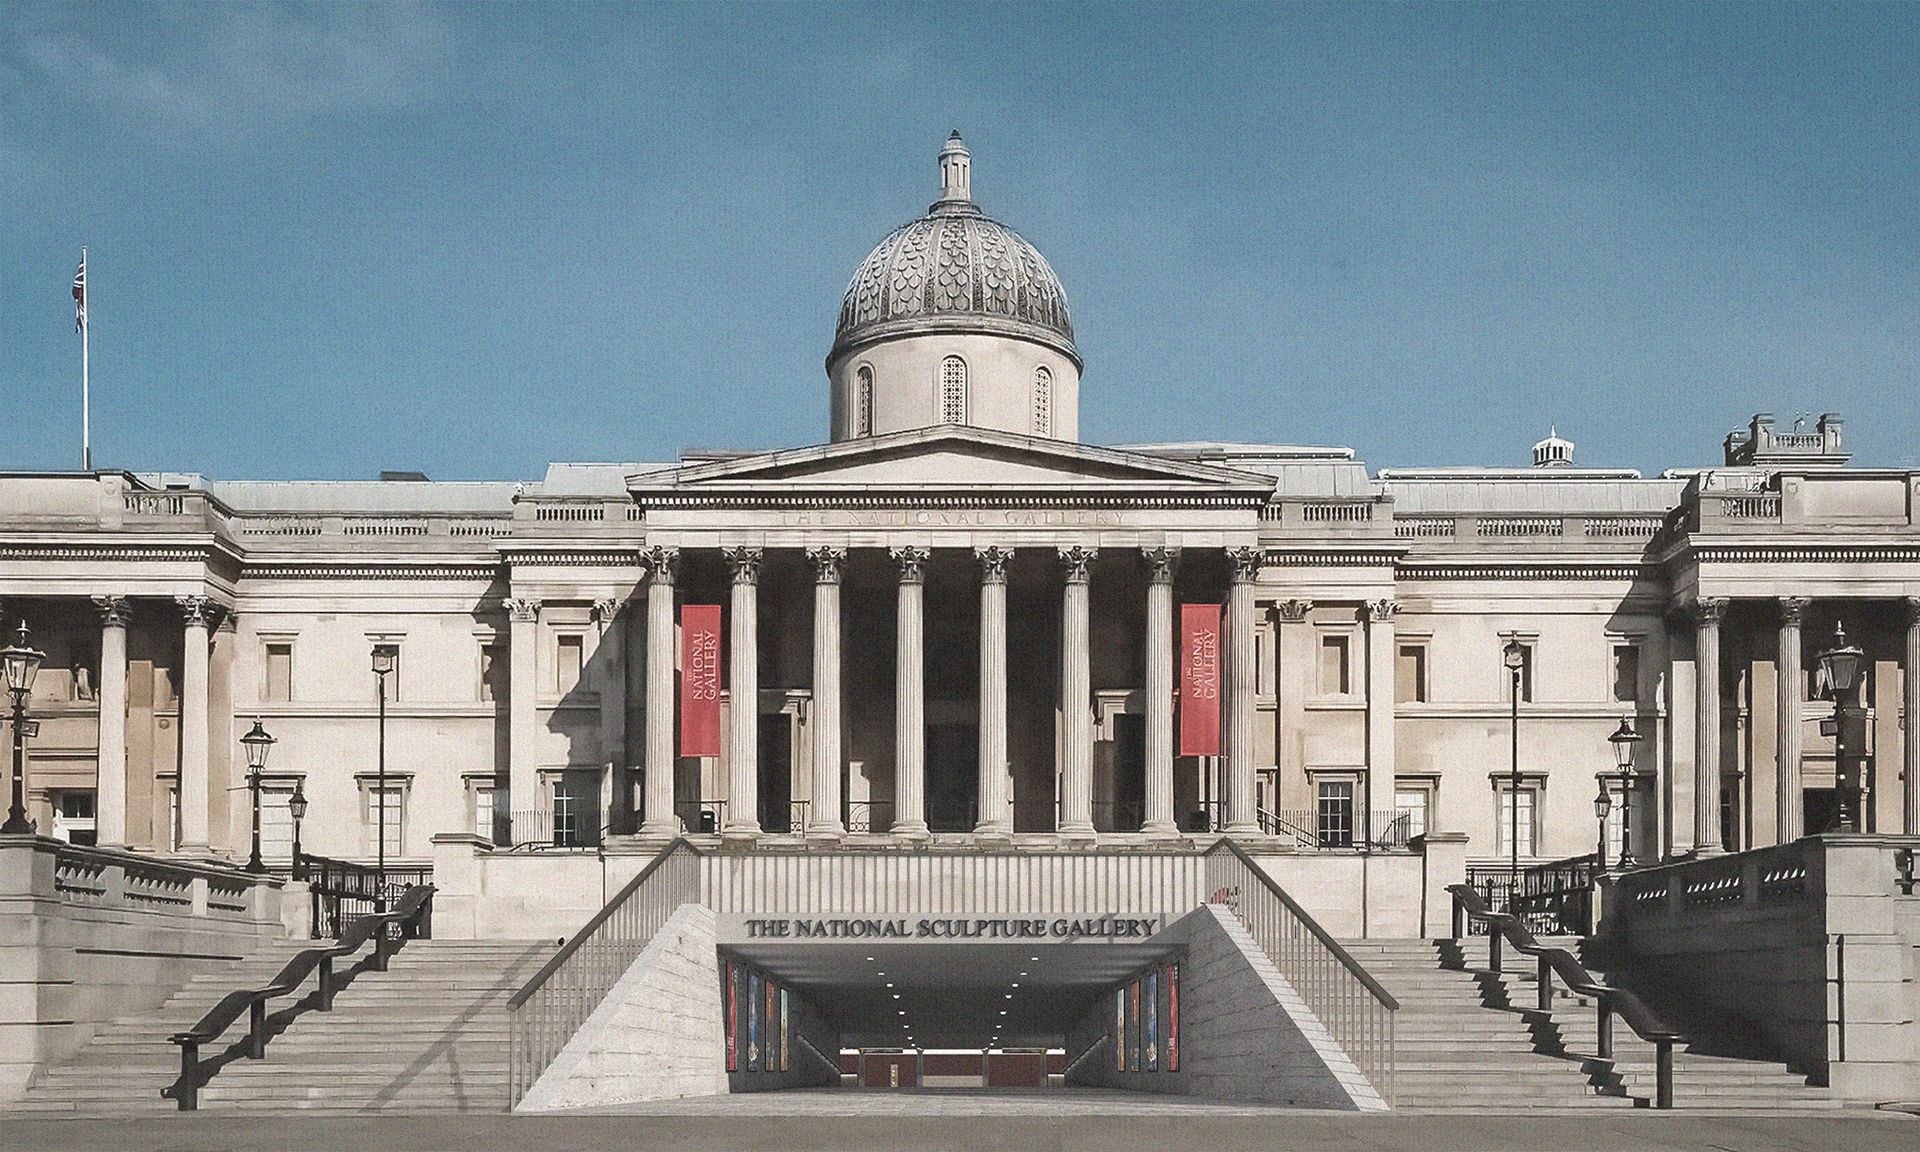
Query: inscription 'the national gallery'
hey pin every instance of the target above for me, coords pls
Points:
(956, 518)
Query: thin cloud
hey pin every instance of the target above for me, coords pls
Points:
(243, 70)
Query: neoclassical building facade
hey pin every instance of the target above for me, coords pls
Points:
(954, 624)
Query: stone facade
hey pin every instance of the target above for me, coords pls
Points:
(959, 630)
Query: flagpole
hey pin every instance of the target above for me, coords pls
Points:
(86, 397)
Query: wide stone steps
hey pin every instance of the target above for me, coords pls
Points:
(430, 1034)
(1469, 1039)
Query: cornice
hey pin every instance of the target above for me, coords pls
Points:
(575, 556)
(200, 553)
(1792, 553)
(1528, 570)
(1321, 556)
(485, 570)
(1136, 499)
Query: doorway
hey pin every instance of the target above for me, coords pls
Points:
(953, 777)
(775, 773)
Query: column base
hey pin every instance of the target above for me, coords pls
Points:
(911, 830)
(1163, 830)
(825, 833)
(658, 831)
(1246, 829)
(993, 833)
(746, 831)
(1079, 832)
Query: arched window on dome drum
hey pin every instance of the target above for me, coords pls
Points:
(1042, 401)
(863, 402)
(953, 390)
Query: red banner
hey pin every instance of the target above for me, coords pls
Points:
(1199, 680)
(700, 680)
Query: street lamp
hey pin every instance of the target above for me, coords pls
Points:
(1624, 739)
(385, 656)
(1840, 670)
(1602, 805)
(22, 664)
(297, 808)
(1514, 655)
(258, 744)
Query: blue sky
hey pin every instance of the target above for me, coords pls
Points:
(328, 240)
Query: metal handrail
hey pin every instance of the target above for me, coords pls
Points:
(1347, 961)
(807, 1046)
(1354, 1008)
(1098, 1042)
(601, 917)
(1608, 1000)
(412, 908)
(546, 1012)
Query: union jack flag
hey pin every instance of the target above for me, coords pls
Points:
(80, 298)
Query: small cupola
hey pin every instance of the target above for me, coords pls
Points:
(1553, 452)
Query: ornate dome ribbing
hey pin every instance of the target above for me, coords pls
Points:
(954, 269)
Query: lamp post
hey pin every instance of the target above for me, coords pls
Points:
(1624, 739)
(22, 664)
(257, 744)
(297, 808)
(1514, 655)
(1602, 805)
(1840, 670)
(385, 656)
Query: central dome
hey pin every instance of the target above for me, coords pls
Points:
(954, 270)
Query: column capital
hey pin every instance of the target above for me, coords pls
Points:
(1161, 562)
(1707, 611)
(114, 610)
(1294, 611)
(1246, 563)
(606, 608)
(197, 611)
(828, 562)
(1912, 605)
(662, 561)
(522, 609)
(912, 561)
(1078, 562)
(1793, 609)
(1382, 611)
(993, 563)
(744, 563)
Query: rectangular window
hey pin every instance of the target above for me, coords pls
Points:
(1410, 674)
(489, 808)
(393, 801)
(568, 661)
(1503, 835)
(493, 672)
(279, 671)
(73, 816)
(276, 821)
(1410, 811)
(1626, 672)
(1336, 668)
(1616, 825)
(1335, 814)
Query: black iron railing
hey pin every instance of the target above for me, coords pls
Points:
(869, 815)
(701, 816)
(344, 891)
(1552, 898)
(387, 930)
(1609, 1002)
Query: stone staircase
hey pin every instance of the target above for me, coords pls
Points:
(1471, 1041)
(427, 1035)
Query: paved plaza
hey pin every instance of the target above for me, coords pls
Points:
(934, 1120)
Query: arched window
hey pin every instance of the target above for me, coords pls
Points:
(953, 390)
(1042, 401)
(863, 402)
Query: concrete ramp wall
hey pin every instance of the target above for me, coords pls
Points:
(1245, 1033)
(657, 1036)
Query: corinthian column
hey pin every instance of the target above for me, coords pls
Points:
(523, 718)
(660, 820)
(1159, 814)
(1381, 759)
(1707, 614)
(1076, 694)
(1241, 818)
(823, 807)
(1910, 795)
(995, 818)
(1789, 806)
(110, 784)
(909, 697)
(743, 678)
(197, 612)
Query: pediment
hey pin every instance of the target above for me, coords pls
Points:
(952, 460)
